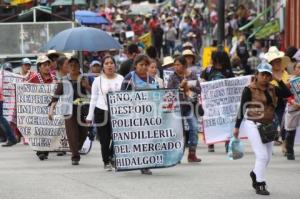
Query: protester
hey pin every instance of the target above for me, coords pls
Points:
(279, 63)
(152, 71)
(253, 61)
(292, 119)
(189, 86)
(4, 125)
(138, 80)
(220, 69)
(25, 69)
(43, 76)
(127, 66)
(108, 81)
(258, 102)
(170, 36)
(72, 90)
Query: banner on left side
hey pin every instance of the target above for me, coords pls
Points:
(32, 118)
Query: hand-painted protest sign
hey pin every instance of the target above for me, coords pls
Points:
(220, 101)
(9, 94)
(146, 128)
(146, 39)
(295, 87)
(166, 74)
(32, 118)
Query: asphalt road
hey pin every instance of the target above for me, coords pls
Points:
(23, 176)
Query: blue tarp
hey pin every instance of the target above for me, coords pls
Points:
(86, 17)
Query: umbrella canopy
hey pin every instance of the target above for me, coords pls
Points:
(82, 39)
(86, 17)
(68, 2)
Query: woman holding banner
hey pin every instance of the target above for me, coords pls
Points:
(256, 119)
(43, 76)
(72, 92)
(139, 79)
(220, 69)
(108, 81)
(187, 81)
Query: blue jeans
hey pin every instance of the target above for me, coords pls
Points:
(4, 125)
(193, 127)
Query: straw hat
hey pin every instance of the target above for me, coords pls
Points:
(168, 60)
(191, 34)
(169, 19)
(119, 18)
(69, 55)
(188, 53)
(53, 53)
(187, 44)
(42, 59)
(274, 53)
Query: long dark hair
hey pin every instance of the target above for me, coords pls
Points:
(105, 58)
(222, 58)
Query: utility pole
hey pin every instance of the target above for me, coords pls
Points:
(73, 10)
(221, 24)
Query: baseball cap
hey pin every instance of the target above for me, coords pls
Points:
(26, 61)
(7, 66)
(265, 67)
(95, 62)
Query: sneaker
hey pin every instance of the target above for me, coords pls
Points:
(146, 172)
(261, 189)
(75, 162)
(9, 143)
(108, 167)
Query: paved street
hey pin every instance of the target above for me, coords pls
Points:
(23, 176)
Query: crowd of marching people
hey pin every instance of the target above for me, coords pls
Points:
(177, 35)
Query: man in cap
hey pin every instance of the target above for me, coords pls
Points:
(25, 69)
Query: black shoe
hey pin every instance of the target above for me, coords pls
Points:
(75, 162)
(261, 189)
(3, 140)
(9, 143)
(290, 156)
(61, 153)
(226, 147)
(146, 171)
(211, 148)
(253, 177)
(42, 156)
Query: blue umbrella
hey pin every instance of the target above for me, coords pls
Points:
(86, 17)
(82, 39)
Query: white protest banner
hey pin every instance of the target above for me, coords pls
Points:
(146, 128)
(9, 93)
(32, 118)
(220, 101)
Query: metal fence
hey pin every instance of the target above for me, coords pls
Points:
(27, 39)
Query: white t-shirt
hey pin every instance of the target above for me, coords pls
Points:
(100, 87)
